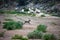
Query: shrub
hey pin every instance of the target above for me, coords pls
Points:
(53, 23)
(41, 28)
(24, 39)
(8, 19)
(2, 34)
(26, 9)
(19, 37)
(13, 12)
(48, 37)
(1, 11)
(35, 35)
(33, 14)
(42, 15)
(11, 25)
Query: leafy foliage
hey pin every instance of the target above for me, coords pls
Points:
(35, 35)
(8, 20)
(19, 37)
(53, 23)
(49, 37)
(41, 28)
(25, 9)
(11, 25)
(1, 11)
(26, 14)
(42, 15)
(2, 34)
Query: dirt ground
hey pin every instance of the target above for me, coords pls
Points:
(51, 28)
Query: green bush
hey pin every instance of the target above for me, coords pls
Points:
(8, 20)
(53, 23)
(48, 37)
(11, 25)
(1, 34)
(24, 38)
(11, 12)
(35, 35)
(1, 11)
(41, 28)
(19, 37)
(33, 14)
(42, 15)
(26, 9)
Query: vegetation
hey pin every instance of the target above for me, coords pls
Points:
(35, 35)
(25, 9)
(48, 37)
(8, 20)
(11, 25)
(26, 14)
(47, 6)
(17, 12)
(11, 12)
(53, 23)
(38, 33)
(1, 11)
(41, 28)
(33, 14)
(2, 34)
(42, 15)
(19, 37)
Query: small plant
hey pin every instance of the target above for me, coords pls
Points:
(11, 25)
(1, 11)
(33, 14)
(2, 34)
(26, 9)
(42, 15)
(41, 28)
(53, 23)
(19, 37)
(24, 38)
(8, 20)
(35, 35)
(48, 37)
